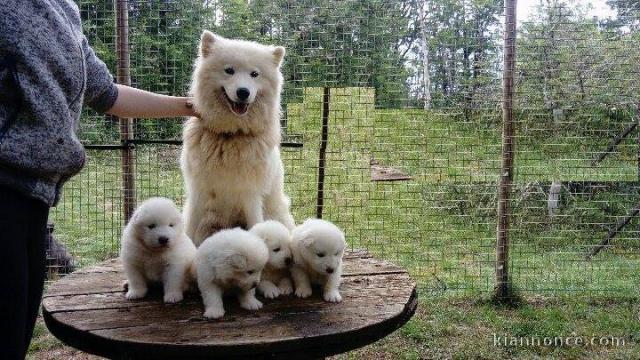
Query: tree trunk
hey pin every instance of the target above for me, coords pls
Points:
(426, 80)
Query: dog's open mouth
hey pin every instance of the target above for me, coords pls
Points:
(236, 107)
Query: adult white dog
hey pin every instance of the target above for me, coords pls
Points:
(231, 158)
(230, 260)
(155, 249)
(317, 247)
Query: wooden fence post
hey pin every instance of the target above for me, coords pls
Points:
(322, 156)
(503, 282)
(126, 124)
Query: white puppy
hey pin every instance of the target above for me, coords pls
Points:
(275, 280)
(155, 249)
(317, 247)
(226, 261)
(231, 155)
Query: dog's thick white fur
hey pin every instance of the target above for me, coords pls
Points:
(276, 278)
(155, 249)
(317, 247)
(230, 260)
(231, 158)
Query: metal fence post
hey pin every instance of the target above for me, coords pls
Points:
(503, 284)
(126, 124)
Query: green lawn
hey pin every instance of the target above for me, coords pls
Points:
(440, 225)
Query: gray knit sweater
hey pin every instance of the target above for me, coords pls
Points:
(47, 72)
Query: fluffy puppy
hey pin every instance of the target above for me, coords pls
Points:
(317, 248)
(230, 160)
(230, 260)
(275, 280)
(155, 249)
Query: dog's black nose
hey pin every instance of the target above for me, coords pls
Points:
(254, 285)
(330, 270)
(288, 261)
(243, 93)
(163, 240)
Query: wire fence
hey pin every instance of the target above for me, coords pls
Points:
(411, 95)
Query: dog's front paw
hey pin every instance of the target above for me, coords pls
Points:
(285, 288)
(251, 304)
(303, 291)
(173, 297)
(133, 294)
(269, 291)
(214, 312)
(332, 296)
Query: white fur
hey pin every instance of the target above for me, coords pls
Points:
(231, 163)
(276, 278)
(223, 263)
(317, 247)
(146, 260)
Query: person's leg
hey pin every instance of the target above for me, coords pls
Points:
(37, 260)
(19, 219)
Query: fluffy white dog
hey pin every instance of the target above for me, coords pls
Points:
(317, 247)
(275, 280)
(155, 249)
(231, 158)
(230, 260)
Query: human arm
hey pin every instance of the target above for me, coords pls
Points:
(135, 103)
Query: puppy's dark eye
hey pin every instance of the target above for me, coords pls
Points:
(254, 74)
(229, 70)
(276, 249)
(250, 272)
(170, 225)
(151, 226)
(320, 254)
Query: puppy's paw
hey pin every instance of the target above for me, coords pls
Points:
(173, 297)
(332, 296)
(133, 294)
(251, 304)
(303, 291)
(214, 313)
(269, 290)
(285, 288)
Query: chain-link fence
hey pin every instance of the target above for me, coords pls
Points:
(410, 93)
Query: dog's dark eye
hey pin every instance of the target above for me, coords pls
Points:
(320, 254)
(276, 249)
(254, 74)
(229, 70)
(151, 226)
(170, 225)
(250, 272)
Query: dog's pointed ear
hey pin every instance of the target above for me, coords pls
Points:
(278, 55)
(237, 261)
(207, 39)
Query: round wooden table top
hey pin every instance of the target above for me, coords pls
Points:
(88, 310)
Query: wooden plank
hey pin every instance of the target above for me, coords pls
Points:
(116, 300)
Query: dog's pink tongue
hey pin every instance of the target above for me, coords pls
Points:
(240, 108)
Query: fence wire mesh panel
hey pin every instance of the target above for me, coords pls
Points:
(392, 123)
(576, 196)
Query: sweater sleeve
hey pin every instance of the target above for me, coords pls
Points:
(101, 91)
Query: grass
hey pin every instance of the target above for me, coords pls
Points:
(440, 225)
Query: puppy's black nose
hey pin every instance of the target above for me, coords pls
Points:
(243, 93)
(163, 240)
(288, 261)
(254, 285)
(330, 270)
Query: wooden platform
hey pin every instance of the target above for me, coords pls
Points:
(88, 311)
